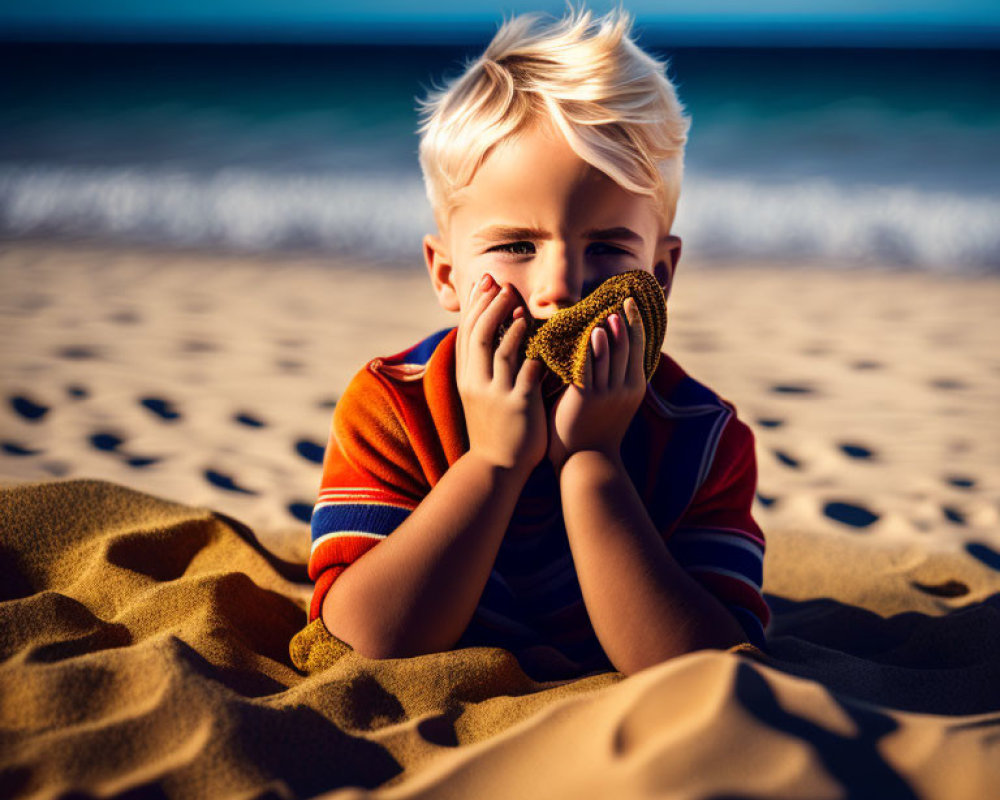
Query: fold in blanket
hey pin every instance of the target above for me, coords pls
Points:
(144, 651)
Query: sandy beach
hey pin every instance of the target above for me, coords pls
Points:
(209, 380)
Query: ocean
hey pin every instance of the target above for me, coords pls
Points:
(797, 156)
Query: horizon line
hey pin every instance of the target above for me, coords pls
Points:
(683, 34)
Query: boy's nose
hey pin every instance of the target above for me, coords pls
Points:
(557, 285)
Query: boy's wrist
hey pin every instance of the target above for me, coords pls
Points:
(516, 473)
(593, 461)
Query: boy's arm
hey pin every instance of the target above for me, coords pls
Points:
(417, 590)
(645, 608)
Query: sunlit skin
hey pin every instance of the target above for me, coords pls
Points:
(568, 226)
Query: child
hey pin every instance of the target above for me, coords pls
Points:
(609, 528)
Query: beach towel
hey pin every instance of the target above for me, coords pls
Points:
(144, 651)
(563, 340)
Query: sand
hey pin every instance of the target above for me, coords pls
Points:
(208, 380)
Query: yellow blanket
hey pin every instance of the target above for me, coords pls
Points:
(563, 340)
(144, 650)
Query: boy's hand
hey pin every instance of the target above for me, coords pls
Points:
(502, 399)
(597, 416)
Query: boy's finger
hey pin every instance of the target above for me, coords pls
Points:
(508, 352)
(619, 350)
(530, 375)
(484, 331)
(484, 318)
(479, 296)
(600, 359)
(636, 341)
(482, 294)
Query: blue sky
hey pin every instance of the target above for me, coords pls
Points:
(322, 18)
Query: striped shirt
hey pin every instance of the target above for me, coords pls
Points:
(398, 427)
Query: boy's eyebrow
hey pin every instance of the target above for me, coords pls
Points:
(621, 233)
(510, 232)
(496, 233)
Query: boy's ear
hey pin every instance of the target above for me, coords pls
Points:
(440, 269)
(668, 254)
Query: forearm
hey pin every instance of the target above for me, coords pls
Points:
(416, 591)
(645, 608)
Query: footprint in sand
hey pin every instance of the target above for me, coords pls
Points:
(141, 461)
(792, 388)
(222, 481)
(249, 420)
(952, 514)
(766, 500)
(162, 408)
(77, 392)
(984, 553)
(14, 449)
(125, 317)
(289, 364)
(946, 589)
(28, 409)
(108, 442)
(198, 346)
(300, 510)
(786, 459)
(961, 482)
(78, 352)
(948, 384)
(327, 402)
(850, 514)
(856, 451)
(865, 363)
(770, 423)
(310, 451)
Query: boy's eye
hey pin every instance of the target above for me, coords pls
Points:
(516, 248)
(528, 248)
(603, 248)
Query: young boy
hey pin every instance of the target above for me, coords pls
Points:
(609, 528)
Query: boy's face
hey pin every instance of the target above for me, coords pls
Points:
(539, 217)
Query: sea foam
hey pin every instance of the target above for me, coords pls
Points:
(384, 215)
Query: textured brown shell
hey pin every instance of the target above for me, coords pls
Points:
(563, 339)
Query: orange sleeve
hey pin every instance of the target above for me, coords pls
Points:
(371, 481)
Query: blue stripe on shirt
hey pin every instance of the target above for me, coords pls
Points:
(379, 519)
(718, 554)
(421, 352)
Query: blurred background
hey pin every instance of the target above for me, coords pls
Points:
(850, 132)
(211, 216)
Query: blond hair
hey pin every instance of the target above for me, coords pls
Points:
(611, 100)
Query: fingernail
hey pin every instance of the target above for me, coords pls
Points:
(518, 312)
(487, 281)
(615, 322)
